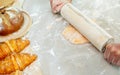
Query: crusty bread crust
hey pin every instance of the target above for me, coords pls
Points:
(6, 3)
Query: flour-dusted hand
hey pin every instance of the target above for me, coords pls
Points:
(56, 5)
(112, 54)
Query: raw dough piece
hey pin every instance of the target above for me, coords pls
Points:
(71, 34)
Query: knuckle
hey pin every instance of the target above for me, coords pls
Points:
(109, 46)
(112, 51)
(118, 64)
(117, 53)
(106, 58)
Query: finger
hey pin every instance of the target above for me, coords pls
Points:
(118, 63)
(60, 5)
(113, 60)
(57, 7)
(107, 51)
(106, 54)
(117, 58)
(51, 2)
(111, 56)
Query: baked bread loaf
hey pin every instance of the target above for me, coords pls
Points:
(6, 3)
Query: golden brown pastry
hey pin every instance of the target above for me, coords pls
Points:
(11, 46)
(6, 3)
(12, 21)
(18, 72)
(16, 62)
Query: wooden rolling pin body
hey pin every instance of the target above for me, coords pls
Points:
(93, 32)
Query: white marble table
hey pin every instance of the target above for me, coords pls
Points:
(57, 56)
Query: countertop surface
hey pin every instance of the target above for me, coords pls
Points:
(57, 56)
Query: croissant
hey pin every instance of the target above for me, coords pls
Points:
(16, 62)
(11, 46)
(17, 72)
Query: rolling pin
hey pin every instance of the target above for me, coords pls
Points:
(93, 32)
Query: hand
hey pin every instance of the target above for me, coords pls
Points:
(56, 5)
(112, 54)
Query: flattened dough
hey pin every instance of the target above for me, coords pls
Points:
(73, 36)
